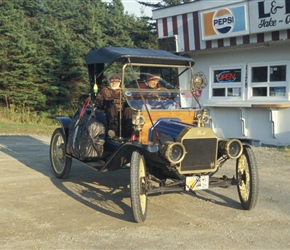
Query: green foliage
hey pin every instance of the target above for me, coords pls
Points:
(17, 61)
(44, 43)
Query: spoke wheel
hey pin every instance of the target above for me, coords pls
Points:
(61, 164)
(138, 181)
(247, 177)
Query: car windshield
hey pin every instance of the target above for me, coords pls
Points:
(152, 87)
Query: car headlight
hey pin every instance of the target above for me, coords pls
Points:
(138, 121)
(231, 148)
(174, 152)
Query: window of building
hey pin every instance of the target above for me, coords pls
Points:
(226, 82)
(268, 80)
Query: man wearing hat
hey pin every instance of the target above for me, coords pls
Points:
(151, 80)
(113, 101)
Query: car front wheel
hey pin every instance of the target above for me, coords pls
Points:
(247, 177)
(138, 181)
(61, 164)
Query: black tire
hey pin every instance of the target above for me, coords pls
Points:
(138, 181)
(60, 163)
(248, 178)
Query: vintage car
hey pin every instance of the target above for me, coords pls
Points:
(174, 150)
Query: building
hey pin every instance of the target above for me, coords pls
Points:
(243, 47)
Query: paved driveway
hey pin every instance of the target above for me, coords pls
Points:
(92, 210)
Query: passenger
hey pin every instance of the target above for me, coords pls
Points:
(113, 102)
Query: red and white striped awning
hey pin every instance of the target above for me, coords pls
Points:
(186, 28)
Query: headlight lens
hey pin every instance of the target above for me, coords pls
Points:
(174, 152)
(138, 121)
(231, 148)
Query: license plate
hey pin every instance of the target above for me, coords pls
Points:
(197, 182)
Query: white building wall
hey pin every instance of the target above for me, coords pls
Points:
(248, 116)
(270, 52)
(271, 127)
(240, 119)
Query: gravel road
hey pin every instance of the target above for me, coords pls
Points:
(91, 210)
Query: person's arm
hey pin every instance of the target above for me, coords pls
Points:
(99, 102)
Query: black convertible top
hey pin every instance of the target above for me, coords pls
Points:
(119, 54)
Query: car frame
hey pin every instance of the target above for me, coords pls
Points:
(176, 149)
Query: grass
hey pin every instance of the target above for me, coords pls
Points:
(285, 148)
(23, 122)
(13, 128)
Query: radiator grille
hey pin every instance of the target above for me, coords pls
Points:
(201, 154)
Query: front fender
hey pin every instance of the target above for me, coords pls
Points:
(168, 129)
(64, 121)
(122, 155)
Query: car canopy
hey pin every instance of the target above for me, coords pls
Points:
(119, 54)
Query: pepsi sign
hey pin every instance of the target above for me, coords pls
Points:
(224, 22)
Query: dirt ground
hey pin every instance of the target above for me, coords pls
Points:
(91, 210)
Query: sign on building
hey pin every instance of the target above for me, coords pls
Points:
(224, 22)
(269, 15)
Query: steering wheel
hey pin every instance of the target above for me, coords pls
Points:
(156, 95)
(157, 101)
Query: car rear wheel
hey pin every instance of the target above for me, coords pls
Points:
(247, 177)
(138, 181)
(61, 164)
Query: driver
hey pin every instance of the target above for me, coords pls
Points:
(154, 100)
(152, 79)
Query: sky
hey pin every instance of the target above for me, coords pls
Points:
(133, 7)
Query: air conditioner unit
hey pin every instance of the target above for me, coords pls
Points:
(168, 43)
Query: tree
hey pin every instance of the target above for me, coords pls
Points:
(118, 26)
(44, 43)
(17, 60)
(143, 33)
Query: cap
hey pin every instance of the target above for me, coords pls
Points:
(113, 75)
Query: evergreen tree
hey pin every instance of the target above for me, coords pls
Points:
(66, 67)
(117, 28)
(44, 43)
(17, 61)
(143, 33)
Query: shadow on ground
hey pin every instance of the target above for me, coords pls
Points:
(106, 192)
